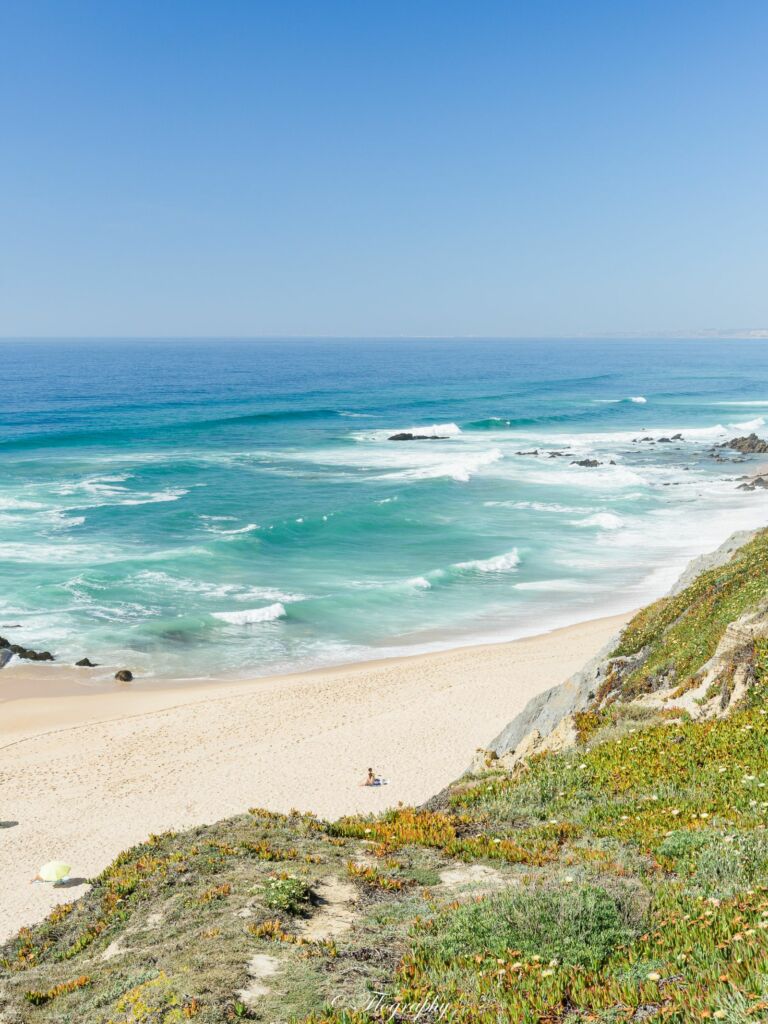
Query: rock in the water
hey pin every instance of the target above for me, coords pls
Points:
(24, 652)
(124, 675)
(418, 437)
(5, 656)
(754, 483)
(85, 663)
(749, 445)
(589, 463)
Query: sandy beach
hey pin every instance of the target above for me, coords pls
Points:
(85, 774)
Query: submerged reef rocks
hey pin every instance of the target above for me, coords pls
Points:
(8, 650)
(24, 652)
(407, 436)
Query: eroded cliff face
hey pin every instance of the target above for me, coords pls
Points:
(635, 669)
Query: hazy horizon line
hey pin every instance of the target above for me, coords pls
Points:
(702, 334)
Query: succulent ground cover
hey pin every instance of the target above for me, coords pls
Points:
(625, 879)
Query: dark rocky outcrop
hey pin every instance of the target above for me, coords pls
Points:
(755, 483)
(24, 652)
(124, 675)
(418, 437)
(589, 463)
(85, 663)
(749, 445)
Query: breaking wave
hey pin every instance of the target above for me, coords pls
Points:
(499, 563)
(249, 616)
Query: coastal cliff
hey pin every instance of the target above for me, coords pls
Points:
(548, 720)
(606, 861)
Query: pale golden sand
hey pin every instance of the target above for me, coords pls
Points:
(86, 774)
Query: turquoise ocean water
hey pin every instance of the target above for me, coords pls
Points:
(230, 507)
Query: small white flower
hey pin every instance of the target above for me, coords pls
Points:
(653, 976)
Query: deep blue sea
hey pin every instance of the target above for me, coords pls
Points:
(231, 507)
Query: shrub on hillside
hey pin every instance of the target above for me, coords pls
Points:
(286, 893)
(577, 925)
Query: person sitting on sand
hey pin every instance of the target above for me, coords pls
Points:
(371, 778)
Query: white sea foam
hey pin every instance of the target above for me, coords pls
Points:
(14, 504)
(541, 506)
(168, 494)
(233, 533)
(55, 554)
(560, 584)
(251, 615)
(637, 399)
(433, 430)
(500, 563)
(605, 520)
(460, 469)
(420, 582)
(234, 591)
(754, 424)
(58, 519)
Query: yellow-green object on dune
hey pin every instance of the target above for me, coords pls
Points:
(54, 871)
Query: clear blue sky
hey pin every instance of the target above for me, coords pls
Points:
(240, 167)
